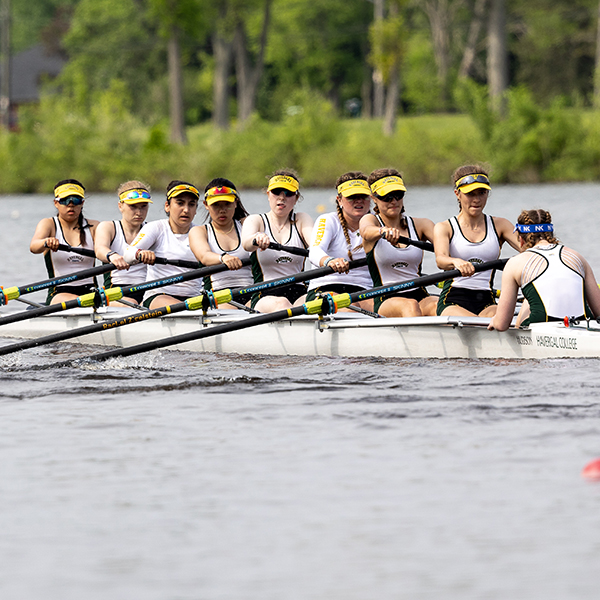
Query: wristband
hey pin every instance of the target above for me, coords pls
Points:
(221, 258)
(109, 254)
(328, 261)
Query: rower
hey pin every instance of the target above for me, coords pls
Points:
(471, 237)
(283, 226)
(113, 237)
(168, 238)
(556, 281)
(219, 241)
(336, 240)
(68, 227)
(388, 260)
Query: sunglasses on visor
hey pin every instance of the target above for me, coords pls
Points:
(135, 194)
(279, 191)
(74, 200)
(472, 179)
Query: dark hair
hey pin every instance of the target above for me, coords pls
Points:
(240, 210)
(468, 170)
(536, 217)
(80, 224)
(378, 174)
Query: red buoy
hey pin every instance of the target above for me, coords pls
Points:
(592, 470)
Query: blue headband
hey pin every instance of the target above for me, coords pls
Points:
(542, 227)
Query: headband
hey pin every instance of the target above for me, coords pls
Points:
(537, 228)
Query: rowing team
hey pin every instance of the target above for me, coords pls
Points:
(556, 281)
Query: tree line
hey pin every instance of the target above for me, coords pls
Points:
(227, 60)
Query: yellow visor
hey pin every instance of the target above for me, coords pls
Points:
(354, 187)
(220, 194)
(68, 189)
(384, 186)
(468, 183)
(283, 181)
(135, 196)
(182, 189)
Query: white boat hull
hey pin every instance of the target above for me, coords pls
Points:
(347, 334)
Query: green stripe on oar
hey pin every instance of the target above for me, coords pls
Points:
(317, 306)
(195, 303)
(113, 294)
(13, 293)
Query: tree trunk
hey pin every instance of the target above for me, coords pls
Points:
(497, 56)
(223, 53)
(378, 85)
(5, 51)
(597, 66)
(366, 91)
(438, 12)
(393, 89)
(176, 90)
(248, 76)
(474, 31)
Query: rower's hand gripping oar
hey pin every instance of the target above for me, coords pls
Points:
(195, 303)
(325, 305)
(416, 243)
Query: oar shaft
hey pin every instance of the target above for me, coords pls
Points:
(416, 243)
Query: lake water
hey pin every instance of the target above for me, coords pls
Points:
(207, 477)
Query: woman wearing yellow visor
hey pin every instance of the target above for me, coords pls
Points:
(220, 240)
(336, 240)
(389, 261)
(68, 227)
(283, 226)
(471, 237)
(168, 238)
(113, 237)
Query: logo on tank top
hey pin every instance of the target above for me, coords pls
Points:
(75, 259)
(284, 259)
(399, 265)
(476, 261)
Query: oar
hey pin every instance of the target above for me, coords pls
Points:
(113, 294)
(288, 249)
(323, 305)
(12, 293)
(416, 243)
(205, 300)
(159, 260)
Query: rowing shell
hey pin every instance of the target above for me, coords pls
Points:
(345, 334)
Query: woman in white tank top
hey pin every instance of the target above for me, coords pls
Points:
(281, 225)
(219, 240)
(336, 240)
(168, 238)
(557, 282)
(69, 227)
(467, 239)
(391, 262)
(113, 237)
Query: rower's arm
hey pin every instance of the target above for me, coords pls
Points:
(442, 232)
(105, 233)
(424, 228)
(508, 299)
(592, 292)
(319, 243)
(370, 231)
(304, 224)
(44, 237)
(506, 233)
(201, 248)
(252, 226)
(140, 249)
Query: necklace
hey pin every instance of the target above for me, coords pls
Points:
(228, 231)
(280, 229)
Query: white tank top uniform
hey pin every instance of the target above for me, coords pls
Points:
(476, 253)
(60, 263)
(328, 240)
(228, 279)
(272, 264)
(136, 274)
(557, 292)
(158, 237)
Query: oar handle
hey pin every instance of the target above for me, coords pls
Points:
(188, 264)
(416, 243)
(288, 249)
(82, 251)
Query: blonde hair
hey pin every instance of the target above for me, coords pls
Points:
(134, 184)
